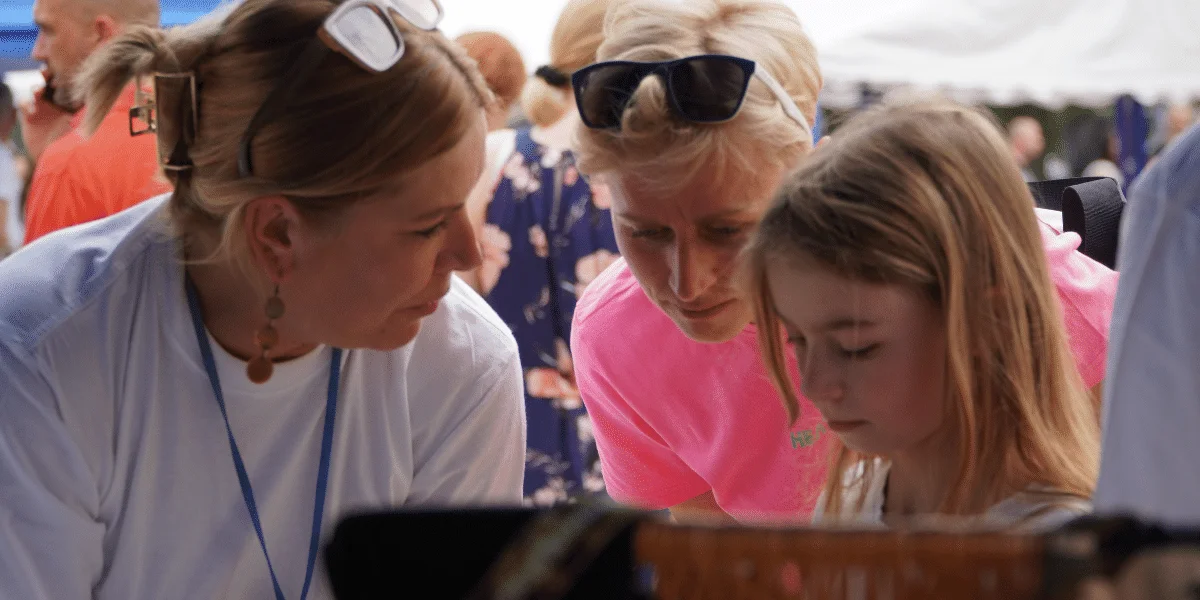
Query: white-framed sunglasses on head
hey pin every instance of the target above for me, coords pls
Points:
(363, 31)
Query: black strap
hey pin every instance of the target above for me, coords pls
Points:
(1093, 209)
(1048, 194)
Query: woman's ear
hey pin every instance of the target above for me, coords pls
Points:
(271, 224)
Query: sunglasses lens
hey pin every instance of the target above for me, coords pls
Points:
(604, 92)
(709, 90)
(364, 32)
(425, 14)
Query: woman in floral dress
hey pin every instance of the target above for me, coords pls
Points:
(546, 234)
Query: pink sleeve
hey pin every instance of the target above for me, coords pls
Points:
(639, 468)
(1086, 290)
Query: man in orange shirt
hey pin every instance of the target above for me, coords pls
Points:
(78, 180)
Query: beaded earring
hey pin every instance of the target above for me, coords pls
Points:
(259, 369)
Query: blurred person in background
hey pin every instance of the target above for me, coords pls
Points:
(12, 217)
(78, 179)
(1180, 117)
(1092, 148)
(1174, 120)
(1028, 142)
(546, 234)
(502, 67)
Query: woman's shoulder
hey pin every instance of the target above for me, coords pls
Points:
(614, 296)
(464, 362)
(54, 279)
(467, 330)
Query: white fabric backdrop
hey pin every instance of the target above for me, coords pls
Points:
(1000, 51)
(1009, 51)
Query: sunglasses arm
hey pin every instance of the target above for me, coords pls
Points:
(279, 99)
(785, 100)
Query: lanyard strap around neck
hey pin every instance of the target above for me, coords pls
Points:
(335, 368)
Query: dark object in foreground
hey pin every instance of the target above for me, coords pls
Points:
(593, 551)
(579, 553)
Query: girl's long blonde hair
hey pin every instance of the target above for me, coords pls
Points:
(926, 194)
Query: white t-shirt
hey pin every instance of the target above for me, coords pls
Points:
(1036, 509)
(116, 477)
(10, 194)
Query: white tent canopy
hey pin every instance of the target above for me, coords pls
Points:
(1049, 52)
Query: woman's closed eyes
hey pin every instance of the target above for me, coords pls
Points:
(433, 231)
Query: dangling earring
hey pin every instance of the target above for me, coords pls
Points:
(259, 369)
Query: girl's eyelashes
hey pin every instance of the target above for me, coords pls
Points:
(860, 353)
(799, 341)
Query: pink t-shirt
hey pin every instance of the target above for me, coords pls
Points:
(675, 418)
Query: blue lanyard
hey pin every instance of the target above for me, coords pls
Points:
(244, 479)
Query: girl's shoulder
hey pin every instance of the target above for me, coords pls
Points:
(1039, 508)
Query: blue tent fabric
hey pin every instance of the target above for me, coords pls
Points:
(17, 31)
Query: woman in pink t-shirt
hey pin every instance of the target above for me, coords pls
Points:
(902, 261)
(693, 149)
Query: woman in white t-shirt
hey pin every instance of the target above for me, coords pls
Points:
(217, 376)
(903, 262)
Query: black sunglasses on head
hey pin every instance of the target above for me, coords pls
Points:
(708, 88)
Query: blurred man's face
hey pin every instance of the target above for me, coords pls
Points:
(1037, 143)
(66, 36)
(1179, 118)
(1027, 140)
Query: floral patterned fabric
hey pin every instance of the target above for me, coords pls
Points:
(548, 234)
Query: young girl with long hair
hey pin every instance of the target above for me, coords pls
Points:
(904, 262)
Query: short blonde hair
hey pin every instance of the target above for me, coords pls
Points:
(656, 145)
(926, 194)
(347, 134)
(573, 45)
